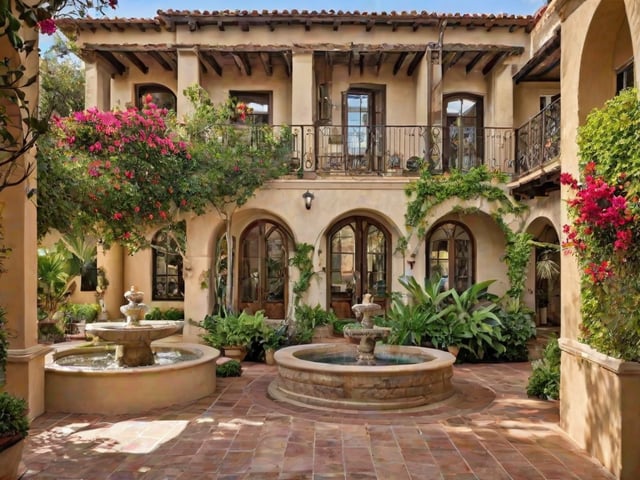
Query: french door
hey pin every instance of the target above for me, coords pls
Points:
(359, 256)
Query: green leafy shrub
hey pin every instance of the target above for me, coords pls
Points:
(231, 368)
(516, 329)
(81, 312)
(157, 313)
(13, 416)
(544, 381)
(307, 319)
(234, 329)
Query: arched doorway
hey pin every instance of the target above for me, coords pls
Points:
(263, 264)
(359, 262)
(547, 284)
(451, 255)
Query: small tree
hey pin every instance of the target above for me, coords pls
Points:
(235, 157)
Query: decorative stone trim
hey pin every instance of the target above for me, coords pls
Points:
(615, 365)
(25, 355)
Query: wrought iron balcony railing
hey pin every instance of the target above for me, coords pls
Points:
(403, 149)
(538, 140)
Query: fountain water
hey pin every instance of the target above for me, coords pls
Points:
(367, 377)
(77, 377)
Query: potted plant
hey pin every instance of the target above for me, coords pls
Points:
(233, 333)
(274, 339)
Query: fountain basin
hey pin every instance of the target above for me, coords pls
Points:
(135, 339)
(128, 390)
(362, 387)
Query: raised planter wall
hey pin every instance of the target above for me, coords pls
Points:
(599, 406)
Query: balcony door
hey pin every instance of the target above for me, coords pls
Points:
(359, 256)
(464, 132)
(363, 124)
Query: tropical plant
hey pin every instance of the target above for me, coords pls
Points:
(230, 329)
(544, 381)
(516, 329)
(308, 318)
(275, 338)
(302, 261)
(54, 286)
(157, 313)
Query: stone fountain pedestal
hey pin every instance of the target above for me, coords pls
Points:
(369, 334)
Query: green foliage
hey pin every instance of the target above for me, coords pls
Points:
(53, 281)
(231, 368)
(303, 262)
(231, 329)
(517, 254)
(13, 416)
(157, 313)
(545, 378)
(307, 319)
(431, 190)
(275, 338)
(446, 318)
(516, 329)
(61, 80)
(81, 312)
(609, 137)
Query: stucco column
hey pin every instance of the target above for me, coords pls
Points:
(97, 88)
(18, 285)
(188, 75)
(434, 135)
(302, 95)
(112, 261)
(198, 274)
(423, 96)
(501, 154)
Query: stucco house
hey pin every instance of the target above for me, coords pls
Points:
(370, 98)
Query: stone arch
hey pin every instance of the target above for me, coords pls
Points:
(608, 37)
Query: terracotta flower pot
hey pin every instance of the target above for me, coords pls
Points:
(10, 461)
(237, 352)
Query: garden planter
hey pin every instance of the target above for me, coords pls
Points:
(453, 350)
(268, 356)
(598, 406)
(236, 352)
(323, 332)
(10, 459)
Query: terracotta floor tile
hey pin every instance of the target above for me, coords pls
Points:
(494, 433)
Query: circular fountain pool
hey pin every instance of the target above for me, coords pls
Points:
(76, 383)
(412, 377)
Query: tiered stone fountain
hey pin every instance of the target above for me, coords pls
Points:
(128, 375)
(370, 376)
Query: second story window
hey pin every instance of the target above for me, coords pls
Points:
(624, 78)
(258, 102)
(161, 96)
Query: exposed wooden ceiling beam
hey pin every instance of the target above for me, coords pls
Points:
(399, 62)
(380, 56)
(474, 62)
(220, 26)
(287, 62)
(160, 59)
(361, 61)
(493, 62)
(417, 58)
(370, 25)
(211, 61)
(242, 61)
(133, 58)
(265, 59)
(350, 61)
(455, 58)
(115, 63)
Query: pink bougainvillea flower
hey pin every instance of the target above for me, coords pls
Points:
(47, 26)
(118, 216)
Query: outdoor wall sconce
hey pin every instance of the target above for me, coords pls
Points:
(308, 198)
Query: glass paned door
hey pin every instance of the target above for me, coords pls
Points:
(363, 129)
(463, 148)
(450, 255)
(358, 264)
(263, 270)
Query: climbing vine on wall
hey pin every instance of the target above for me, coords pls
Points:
(302, 260)
(431, 190)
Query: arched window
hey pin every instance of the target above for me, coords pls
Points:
(168, 283)
(359, 263)
(161, 96)
(450, 254)
(263, 269)
(464, 132)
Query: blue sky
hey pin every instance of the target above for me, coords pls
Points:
(148, 8)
